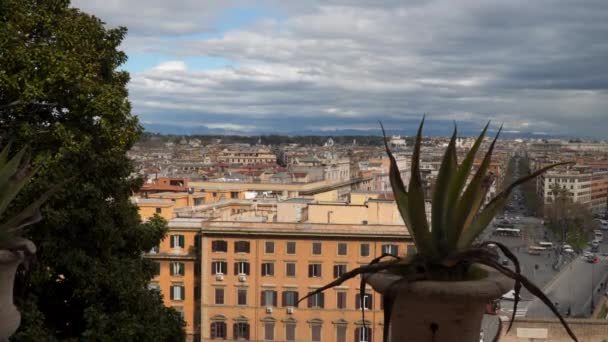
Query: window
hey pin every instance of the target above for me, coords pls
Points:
(290, 269)
(269, 298)
(390, 249)
(177, 241)
(241, 331)
(218, 331)
(314, 270)
(268, 331)
(234, 194)
(316, 248)
(290, 332)
(219, 267)
(219, 296)
(269, 247)
(341, 300)
(241, 297)
(339, 270)
(364, 249)
(341, 333)
(366, 303)
(317, 301)
(154, 286)
(290, 298)
(241, 246)
(241, 267)
(158, 210)
(291, 247)
(363, 334)
(267, 269)
(342, 248)
(315, 332)
(219, 246)
(177, 269)
(177, 292)
(156, 267)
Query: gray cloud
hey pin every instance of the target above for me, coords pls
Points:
(536, 65)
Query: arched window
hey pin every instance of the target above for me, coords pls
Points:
(240, 331)
(218, 331)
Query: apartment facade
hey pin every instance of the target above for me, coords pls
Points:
(583, 186)
(251, 275)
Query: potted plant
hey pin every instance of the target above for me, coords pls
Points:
(15, 173)
(440, 293)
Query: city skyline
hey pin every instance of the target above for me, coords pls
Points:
(285, 67)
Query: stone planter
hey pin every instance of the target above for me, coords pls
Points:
(434, 311)
(9, 262)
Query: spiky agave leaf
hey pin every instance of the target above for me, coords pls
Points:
(14, 175)
(489, 211)
(471, 200)
(369, 268)
(457, 184)
(440, 198)
(416, 204)
(420, 235)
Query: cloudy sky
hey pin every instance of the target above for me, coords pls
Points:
(291, 65)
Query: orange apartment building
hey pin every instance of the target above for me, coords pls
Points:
(252, 274)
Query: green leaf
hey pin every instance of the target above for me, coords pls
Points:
(473, 197)
(399, 192)
(4, 154)
(12, 188)
(487, 214)
(11, 168)
(457, 184)
(416, 205)
(31, 214)
(440, 199)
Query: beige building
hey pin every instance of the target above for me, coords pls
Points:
(247, 156)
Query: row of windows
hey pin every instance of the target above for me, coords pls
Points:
(290, 248)
(240, 331)
(290, 299)
(315, 270)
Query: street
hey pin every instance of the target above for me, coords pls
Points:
(567, 279)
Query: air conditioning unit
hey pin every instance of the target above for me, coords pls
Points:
(219, 276)
(242, 277)
(290, 311)
(269, 309)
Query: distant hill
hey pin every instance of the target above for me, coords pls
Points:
(430, 130)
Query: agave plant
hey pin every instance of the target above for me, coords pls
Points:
(448, 250)
(15, 173)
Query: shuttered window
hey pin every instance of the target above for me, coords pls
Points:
(218, 331)
(240, 331)
(177, 241)
(241, 246)
(317, 301)
(219, 246)
(219, 267)
(241, 267)
(177, 269)
(269, 298)
(290, 298)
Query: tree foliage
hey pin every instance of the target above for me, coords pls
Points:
(572, 222)
(61, 93)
